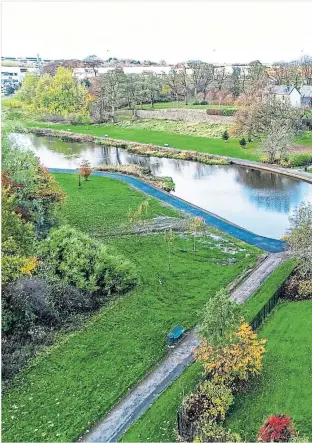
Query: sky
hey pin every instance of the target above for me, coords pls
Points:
(220, 32)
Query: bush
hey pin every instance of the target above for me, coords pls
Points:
(242, 142)
(300, 160)
(85, 169)
(67, 300)
(225, 135)
(202, 102)
(80, 261)
(209, 403)
(276, 428)
(213, 432)
(26, 302)
(227, 112)
(79, 119)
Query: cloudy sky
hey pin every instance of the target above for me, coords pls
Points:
(173, 31)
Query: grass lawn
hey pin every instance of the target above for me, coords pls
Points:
(102, 205)
(217, 146)
(159, 423)
(181, 104)
(286, 385)
(255, 303)
(68, 388)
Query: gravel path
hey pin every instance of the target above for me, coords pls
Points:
(134, 404)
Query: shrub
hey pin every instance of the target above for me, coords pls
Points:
(26, 301)
(200, 102)
(85, 169)
(276, 428)
(305, 289)
(79, 119)
(243, 142)
(225, 135)
(85, 263)
(223, 111)
(301, 160)
(67, 300)
(213, 432)
(209, 403)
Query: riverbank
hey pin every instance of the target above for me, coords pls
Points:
(151, 150)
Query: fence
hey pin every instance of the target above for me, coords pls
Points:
(265, 311)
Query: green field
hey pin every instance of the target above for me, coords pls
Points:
(286, 385)
(216, 146)
(181, 104)
(159, 423)
(78, 380)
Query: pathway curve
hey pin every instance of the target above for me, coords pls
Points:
(265, 243)
(134, 404)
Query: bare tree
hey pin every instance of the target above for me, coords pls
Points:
(93, 62)
(197, 73)
(197, 224)
(206, 78)
(219, 77)
(306, 69)
(299, 239)
(185, 82)
(278, 140)
(174, 83)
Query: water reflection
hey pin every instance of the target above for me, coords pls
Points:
(256, 200)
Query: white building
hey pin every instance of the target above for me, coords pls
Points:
(14, 74)
(287, 93)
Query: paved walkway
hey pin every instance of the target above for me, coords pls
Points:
(131, 407)
(267, 244)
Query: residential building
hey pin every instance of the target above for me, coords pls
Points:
(282, 92)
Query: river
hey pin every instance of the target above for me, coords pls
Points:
(259, 201)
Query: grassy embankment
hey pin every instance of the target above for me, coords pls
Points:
(159, 423)
(215, 146)
(141, 132)
(78, 380)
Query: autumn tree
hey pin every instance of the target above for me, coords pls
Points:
(235, 362)
(28, 90)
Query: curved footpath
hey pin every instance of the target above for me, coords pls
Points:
(141, 397)
(267, 244)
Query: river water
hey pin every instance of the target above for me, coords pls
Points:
(256, 200)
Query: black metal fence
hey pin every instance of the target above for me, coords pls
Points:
(265, 311)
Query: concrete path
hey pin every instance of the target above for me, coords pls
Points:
(131, 407)
(257, 277)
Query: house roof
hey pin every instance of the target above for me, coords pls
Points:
(282, 90)
(306, 91)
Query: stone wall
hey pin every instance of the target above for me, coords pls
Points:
(188, 115)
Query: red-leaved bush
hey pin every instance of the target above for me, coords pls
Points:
(276, 428)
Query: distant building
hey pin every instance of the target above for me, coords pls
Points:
(306, 96)
(284, 93)
(13, 76)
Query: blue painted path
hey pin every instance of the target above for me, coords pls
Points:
(265, 243)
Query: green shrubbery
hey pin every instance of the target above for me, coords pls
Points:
(78, 260)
